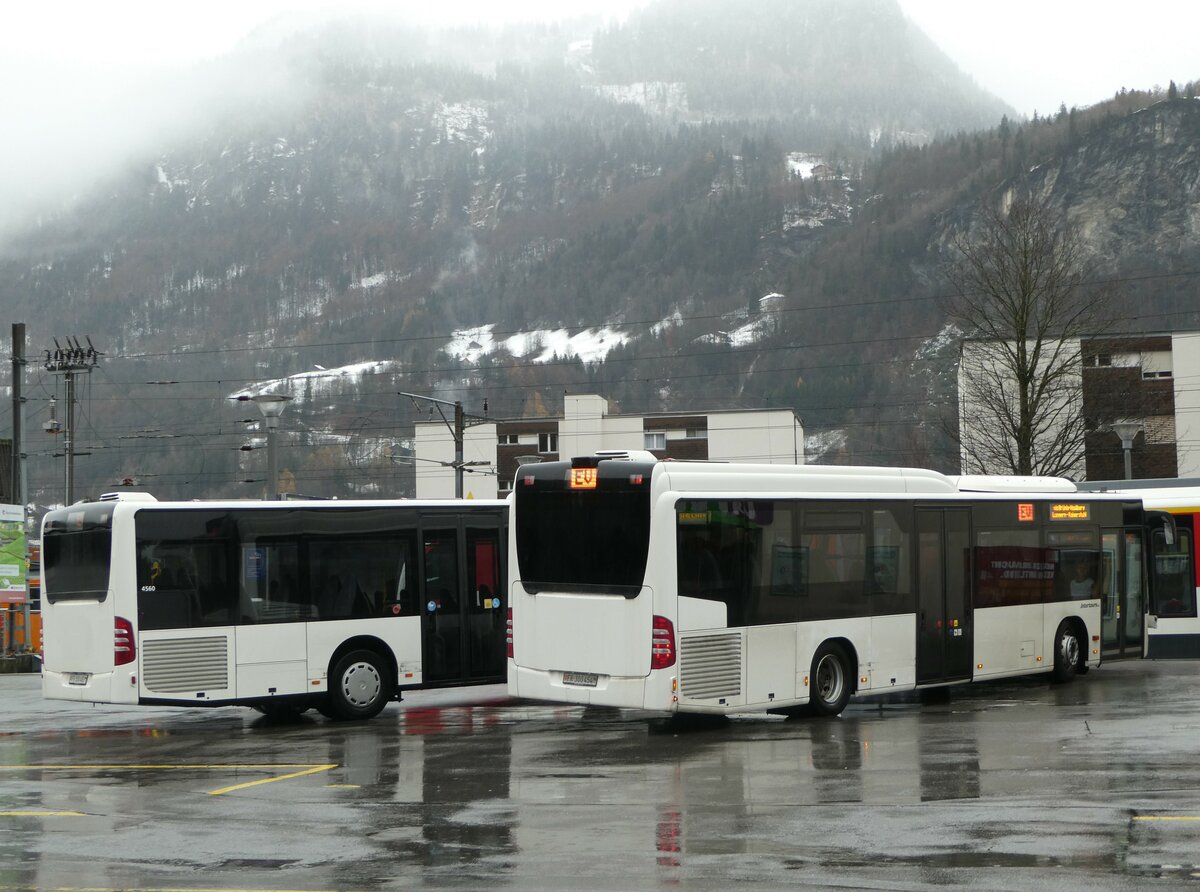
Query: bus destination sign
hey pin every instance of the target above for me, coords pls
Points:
(1069, 511)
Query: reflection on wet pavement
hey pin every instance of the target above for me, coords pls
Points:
(1013, 785)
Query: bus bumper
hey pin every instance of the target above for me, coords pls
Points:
(624, 692)
(98, 687)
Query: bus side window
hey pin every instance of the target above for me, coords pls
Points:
(1174, 575)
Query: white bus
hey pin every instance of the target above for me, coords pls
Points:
(281, 606)
(720, 588)
(1171, 626)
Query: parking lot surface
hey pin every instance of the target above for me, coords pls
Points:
(1018, 785)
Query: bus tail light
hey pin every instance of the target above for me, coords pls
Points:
(508, 636)
(124, 648)
(662, 643)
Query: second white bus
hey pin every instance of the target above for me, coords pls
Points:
(720, 588)
(281, 606)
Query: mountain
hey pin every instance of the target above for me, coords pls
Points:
(714, 204)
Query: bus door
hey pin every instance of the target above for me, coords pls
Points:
(1123, 594)
(944, 627)
(463, 612)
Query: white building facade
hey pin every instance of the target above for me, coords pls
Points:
(493, 451)
(1149, 379)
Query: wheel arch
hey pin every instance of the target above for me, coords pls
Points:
(851, 653)
(367, 642)
(1079, 627)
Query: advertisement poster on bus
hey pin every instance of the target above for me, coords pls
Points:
(12, 554)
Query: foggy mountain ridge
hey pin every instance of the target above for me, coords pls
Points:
(412, 225)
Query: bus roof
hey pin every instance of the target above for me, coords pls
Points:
(140, 500)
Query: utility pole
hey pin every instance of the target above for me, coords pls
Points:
(18, 456)
(70, 361)
(18, 405)
(457, 430)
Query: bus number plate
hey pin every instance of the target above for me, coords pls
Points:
(77, 678)
(583, 679)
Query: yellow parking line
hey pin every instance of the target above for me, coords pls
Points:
(1166, 817)
(135, 889)
(42, 814)
(304, 769)
(315, 769)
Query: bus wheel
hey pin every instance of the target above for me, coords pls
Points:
(829, 684)
(360, 685)
(1067, 652)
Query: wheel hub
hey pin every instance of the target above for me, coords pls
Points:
(361, 684)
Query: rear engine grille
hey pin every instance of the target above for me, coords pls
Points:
(184, 665)
(710, 666)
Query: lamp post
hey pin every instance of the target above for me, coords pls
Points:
(271, 405)
(1127, 431)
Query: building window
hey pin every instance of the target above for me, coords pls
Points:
(547, 442)
(656, 439)
(509, 439)
(1104, 359)
(696, 433)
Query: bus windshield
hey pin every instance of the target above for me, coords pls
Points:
(76, 551)
(587, 540)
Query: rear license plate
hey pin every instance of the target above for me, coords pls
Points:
(583, 679)
(79, 678)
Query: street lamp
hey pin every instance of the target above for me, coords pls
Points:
(271, 405)
(1127, 431)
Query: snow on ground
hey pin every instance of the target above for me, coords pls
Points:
(949, 336)
(462, 122)
(749, 332)
(319, 382)
(472, 344)
(820, 445)
(801, 164)
(591, 345)
(752, 332)
(673, 321)
(375, 281)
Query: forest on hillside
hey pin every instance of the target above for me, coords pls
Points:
(403, 198)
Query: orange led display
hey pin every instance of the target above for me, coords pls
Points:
(583, 478)
(1025, 512)
(1073, 511)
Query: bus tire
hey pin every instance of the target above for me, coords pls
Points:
(360, 685)
(830, 681)
(1068, 652)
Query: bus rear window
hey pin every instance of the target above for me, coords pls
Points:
(76, 553)
(591, 540)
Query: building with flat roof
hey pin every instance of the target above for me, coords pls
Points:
(493, 451)
(1149, 380)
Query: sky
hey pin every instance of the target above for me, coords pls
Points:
(83, 83)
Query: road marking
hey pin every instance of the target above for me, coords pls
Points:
(305, 769)
(149, 889)
(42, 814)
(312, 769)
(1166, 817)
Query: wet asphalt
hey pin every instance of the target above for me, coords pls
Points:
(1016, 785)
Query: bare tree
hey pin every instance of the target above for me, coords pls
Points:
(1019, 296)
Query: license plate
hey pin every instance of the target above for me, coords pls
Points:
(79, 678)
(583, 679)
